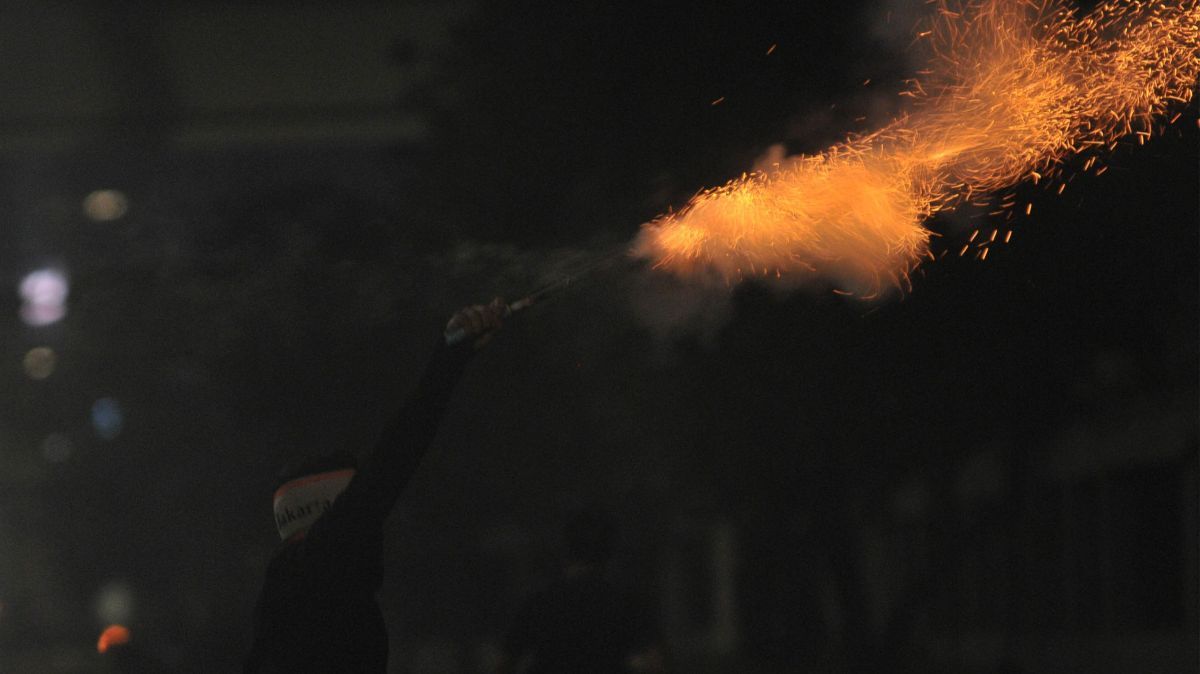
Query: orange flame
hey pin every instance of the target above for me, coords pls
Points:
(1013, 89)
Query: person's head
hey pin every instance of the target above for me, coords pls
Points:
(307, 487)
(590, 535)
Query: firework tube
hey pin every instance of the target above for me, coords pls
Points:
(457, 335)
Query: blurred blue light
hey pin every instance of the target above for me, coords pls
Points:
(107, 418)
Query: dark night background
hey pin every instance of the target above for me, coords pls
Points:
(995, 472)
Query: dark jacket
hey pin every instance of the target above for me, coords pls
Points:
(317, 610)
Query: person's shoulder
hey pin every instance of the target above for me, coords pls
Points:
(283, 566)
(298, 561)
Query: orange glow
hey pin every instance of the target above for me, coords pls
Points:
(1013, 90)
(113, 635)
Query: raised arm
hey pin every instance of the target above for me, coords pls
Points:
(387, 470)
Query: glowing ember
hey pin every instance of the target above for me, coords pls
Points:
(1013, 89)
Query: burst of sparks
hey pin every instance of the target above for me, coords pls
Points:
(1012, 91)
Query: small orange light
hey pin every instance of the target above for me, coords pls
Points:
(113, 635)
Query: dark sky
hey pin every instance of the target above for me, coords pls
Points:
(264, 299)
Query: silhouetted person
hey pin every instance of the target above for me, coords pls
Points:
(317, 610)
(579, 624)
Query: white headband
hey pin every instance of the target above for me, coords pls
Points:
(298, 503)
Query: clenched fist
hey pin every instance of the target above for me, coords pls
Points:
(479, 322)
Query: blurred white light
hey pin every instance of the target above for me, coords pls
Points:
(57, 448)
(105, 205)
(107, 419)
(44, 297)
(39, 362)
(114, 602)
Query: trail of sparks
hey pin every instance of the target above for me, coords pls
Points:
(1013, 90)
